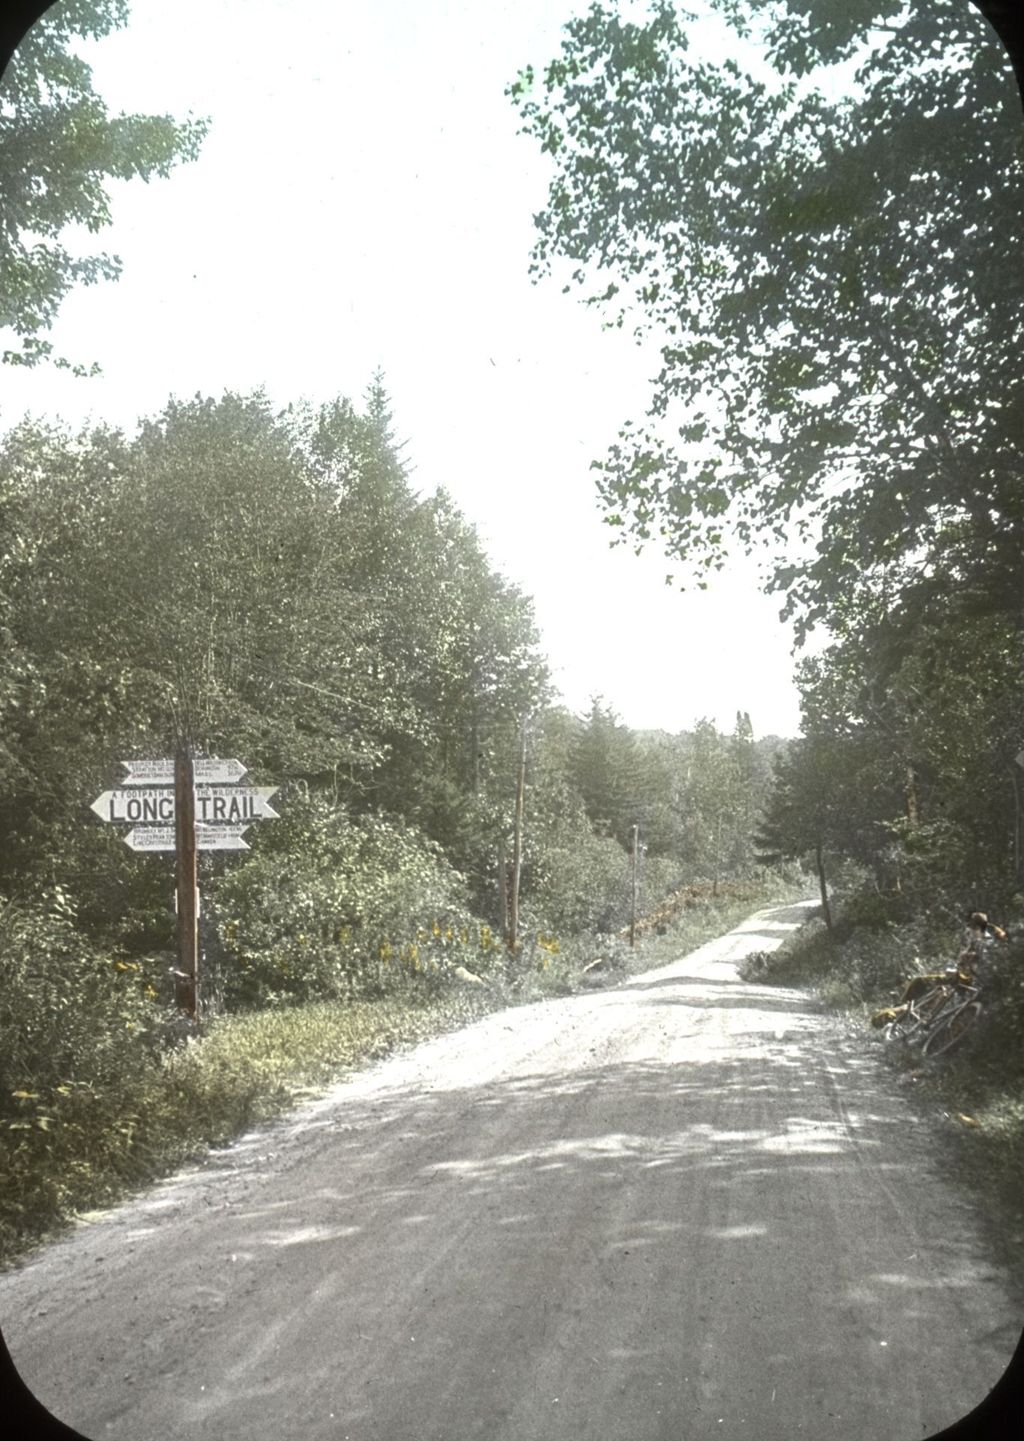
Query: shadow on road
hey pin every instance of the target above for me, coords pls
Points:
(757, 1221)
(699, 1210)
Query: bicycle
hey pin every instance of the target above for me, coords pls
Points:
(936, 1011)
(950, 1030)
(939, 1018)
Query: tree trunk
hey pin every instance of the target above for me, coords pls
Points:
(503, 891)
(825, 907)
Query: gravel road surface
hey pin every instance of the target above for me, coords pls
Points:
(684, 1207)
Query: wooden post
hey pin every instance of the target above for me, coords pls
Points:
(503, 890)
(517, 844)
(819, 857)
(632, 908)
(187, 881)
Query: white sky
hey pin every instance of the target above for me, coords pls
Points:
(363, 200)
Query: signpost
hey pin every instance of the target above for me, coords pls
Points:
(187, 874)
(186, 804)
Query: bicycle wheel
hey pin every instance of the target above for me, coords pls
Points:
(925, 1017)
(894, 1032)
(952, 1030)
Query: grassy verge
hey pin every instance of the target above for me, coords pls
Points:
(974, 1095)
(97, 1146)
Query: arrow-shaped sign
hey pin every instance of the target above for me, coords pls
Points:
(234, 805)
(150, 838)
(150, 806)
(215, 805)
(208, 838)
(161, 772)
(221, 838)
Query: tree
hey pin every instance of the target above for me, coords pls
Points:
(823, 805)
(607, 773)
(933, 689)
(271, 581)
(839, 350)
(59, 146)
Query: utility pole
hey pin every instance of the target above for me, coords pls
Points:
(187, 880)
(517, 844)
(632, 908)
(503, 890)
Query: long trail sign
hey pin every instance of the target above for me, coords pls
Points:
(234, 805)
(215, 805)
(186, 804)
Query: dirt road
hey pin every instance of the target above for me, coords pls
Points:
(685, 1207)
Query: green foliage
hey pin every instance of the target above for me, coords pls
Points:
(908, 762)
(249, 608)
(325, 910)
(607, 772)
(581, 882)
(269, 585)
(68, 1146)
(69, 1015)
(820, 271)
(59, 148)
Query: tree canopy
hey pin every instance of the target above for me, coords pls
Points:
(59, 149)
(839, 349)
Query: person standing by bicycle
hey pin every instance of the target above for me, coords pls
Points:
(971, 966)
(977, 950)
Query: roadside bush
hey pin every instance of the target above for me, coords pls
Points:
(68, 1014)
(79, 1039)
(580, 883)
(584, 883)
(324, 912)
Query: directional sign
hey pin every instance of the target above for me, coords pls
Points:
(215, 805)
(234, 805)
(150, 838)
(208, 838)
(151, 806)
(220, 838)
(206, 769)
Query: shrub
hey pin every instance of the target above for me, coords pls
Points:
(583, 884)
(69, 1015)
(324, 913)
(79, 1040)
